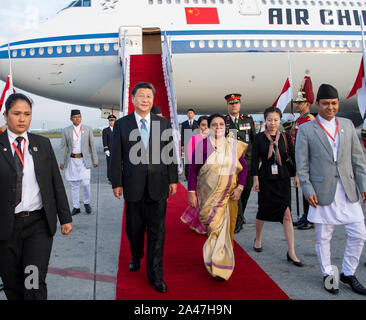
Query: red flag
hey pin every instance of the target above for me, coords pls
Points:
(202, 16)
(7, 91)
(359, 87)
(285, 97)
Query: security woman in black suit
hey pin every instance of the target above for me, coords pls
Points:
(32, 197)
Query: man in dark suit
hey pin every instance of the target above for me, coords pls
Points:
(190, 125)
(107, 143)
(144, 168)
(32, 196)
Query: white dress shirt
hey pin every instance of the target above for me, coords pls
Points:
(76, 137)
(341, 210)
(31, 196)
(138, 121)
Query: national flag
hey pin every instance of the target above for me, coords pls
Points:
(8, 90)
(359, 87)
(202, 16)
(285, 97)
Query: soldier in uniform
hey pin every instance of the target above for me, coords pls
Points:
(245, 128)
(107, 143)
(304, 100)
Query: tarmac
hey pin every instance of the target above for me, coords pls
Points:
(83, 265)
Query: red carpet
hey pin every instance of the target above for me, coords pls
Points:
(184, 271)
(149, 68)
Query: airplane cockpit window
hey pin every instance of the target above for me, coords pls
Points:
(79, 3)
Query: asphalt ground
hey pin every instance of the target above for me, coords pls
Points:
(83, 265)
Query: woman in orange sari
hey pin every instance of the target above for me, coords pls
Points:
(218, 174)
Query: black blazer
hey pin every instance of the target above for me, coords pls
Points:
(107, 138)
(48, 176)
(185, 125)
(134, 177)
(260, 154)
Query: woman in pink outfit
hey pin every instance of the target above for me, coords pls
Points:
(191, 215)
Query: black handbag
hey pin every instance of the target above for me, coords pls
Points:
(289, 163)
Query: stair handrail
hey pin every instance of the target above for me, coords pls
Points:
(125, 84)
(169, 84)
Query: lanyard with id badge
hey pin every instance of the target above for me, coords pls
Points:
(274, 167)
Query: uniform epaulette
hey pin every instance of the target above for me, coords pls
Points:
(242, 117)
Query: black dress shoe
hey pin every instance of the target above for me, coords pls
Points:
(75, 211)
(257, 249)
(305, 226)
(134, 265)
(159, 286)
(217, 278)
(353, 282)
(88, 208)
(299, 222)
(329, 285)
(238, 228)
(296, 263)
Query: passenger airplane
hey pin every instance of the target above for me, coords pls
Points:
(217, 47)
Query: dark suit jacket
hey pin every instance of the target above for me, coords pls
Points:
(48, 176)
(107, 139)
(133, 177)
(185, 125)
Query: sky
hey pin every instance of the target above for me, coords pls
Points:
(18, 16)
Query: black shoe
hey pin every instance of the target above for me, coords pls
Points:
(88, 208)
(305, 226)
(329, 280)
(353, 282)
(299, 222)
(217, 278)
(75, 211)
(134, 265)
(159, 286)
(238, 228)
(296, 263)
(257, 249)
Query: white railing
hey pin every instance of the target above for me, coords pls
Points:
(125, 83)
(169, 83)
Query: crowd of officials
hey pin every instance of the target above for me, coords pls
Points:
(226, 157)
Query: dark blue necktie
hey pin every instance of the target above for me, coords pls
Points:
(19, 168)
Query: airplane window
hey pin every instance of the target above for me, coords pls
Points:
(320, 3)
(280, 2)
(289, 2)
(59, 50)
(213, 1)
(329, 3)
(333, 44)
(283, 43)
(87, 3)
(177, 1)
(341, 44)
(352, 4)
(87, 48)
(32, 52)
(274, 43)
(273, 1)
(256, 43)
(291, 43)
(192, 44)
(247, 43)
(359, 4)
(23, 52)
(299, 44)
(106, 47)
(312, 3)
(15, 53)
(50, 50)
(169, 1)
(336, 3)
(220, 44)
(96, 47)
(229, 44)
(222, 1)
(264, 2)
(202, 44)
(68, 49)
(343, 3)
(186, 1)
(325, 43)
(357, 44)
(78, 48)
(308, 43)
(265, 43)
(211, 44)
(151, 2)
(195, 1)
(41, 51)
(349, 44)
(238, 43)
(204, 1)
(305, 3)
(160, 1)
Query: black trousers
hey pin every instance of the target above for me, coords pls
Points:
(242, 203)
(29, 245)
(109, 174)
(147, 215)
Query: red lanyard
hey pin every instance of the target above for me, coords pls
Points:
(77, 133)
(21, 158)
(335, 136)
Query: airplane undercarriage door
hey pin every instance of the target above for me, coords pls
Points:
(131, 35)
(249, 7)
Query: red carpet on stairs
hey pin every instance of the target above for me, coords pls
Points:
(184, 270)
(149, 68)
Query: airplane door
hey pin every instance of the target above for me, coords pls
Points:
(249, 7)
(132, 35)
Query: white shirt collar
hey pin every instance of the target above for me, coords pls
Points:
(78, 127)
(233, 118)
(326, 122)
(138, 119)
(12, 136)
(111, 128)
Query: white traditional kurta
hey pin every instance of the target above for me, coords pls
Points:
(341, 210)
(76, 169)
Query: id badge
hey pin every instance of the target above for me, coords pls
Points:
(247, 137)
(274, 169)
